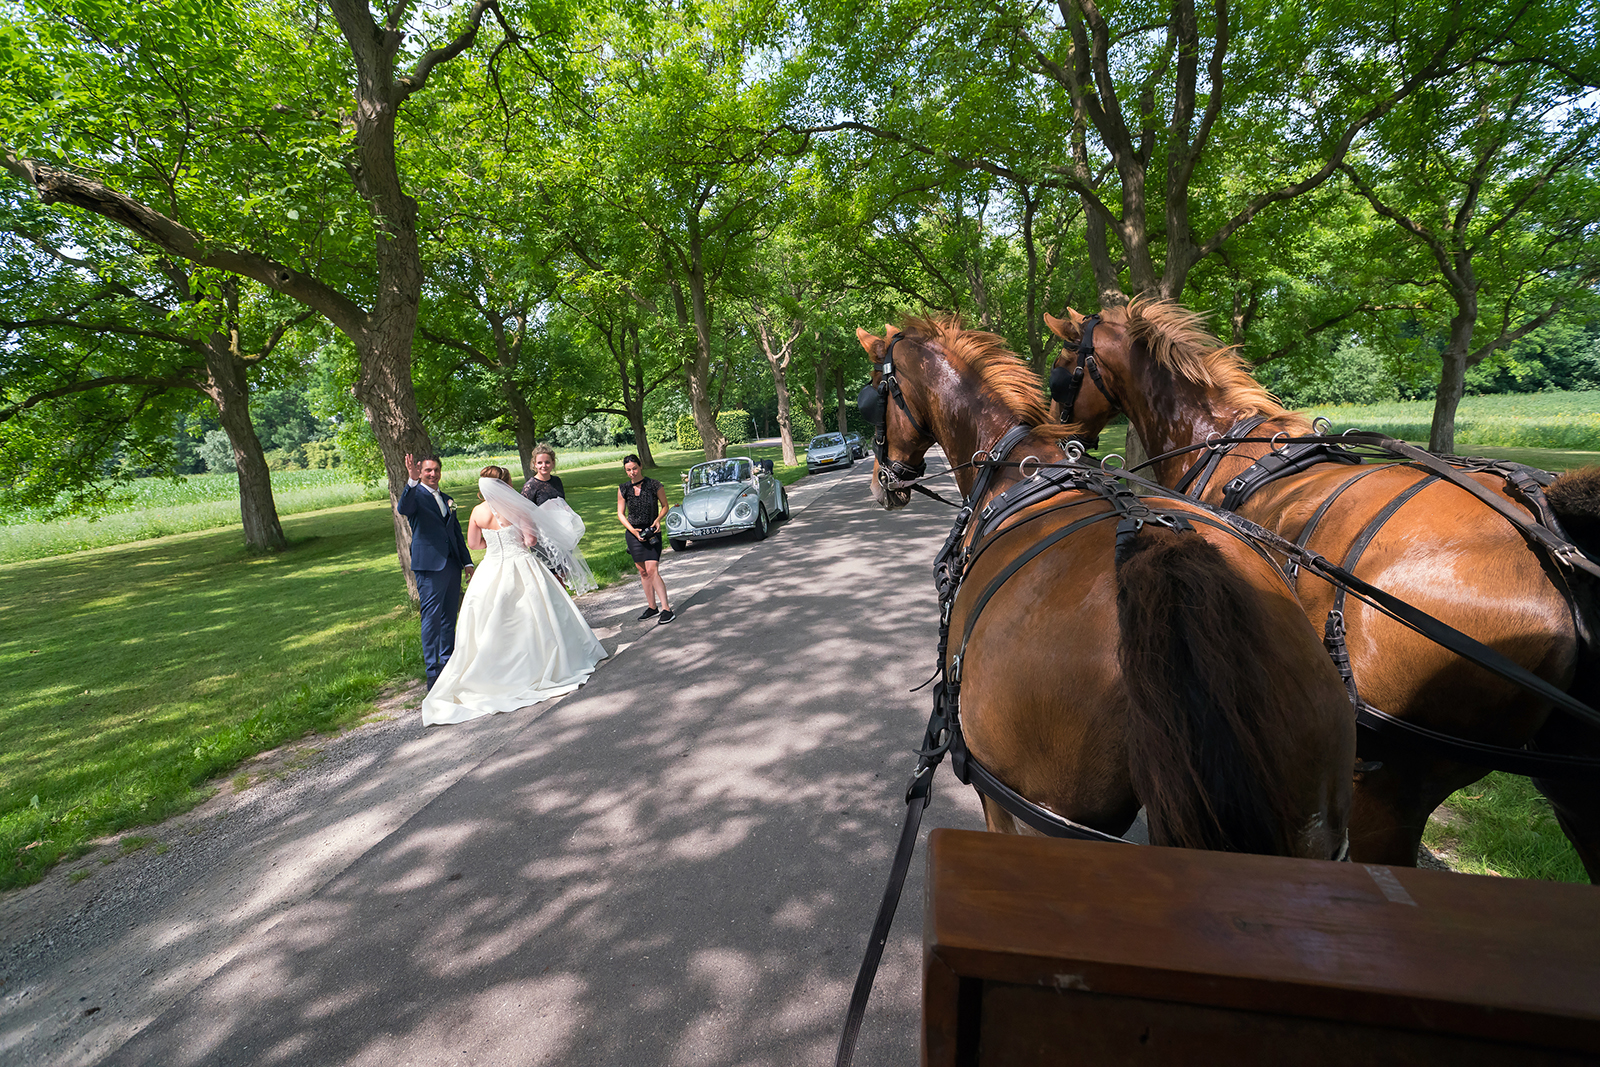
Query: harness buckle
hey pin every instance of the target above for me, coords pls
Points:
(955, 670)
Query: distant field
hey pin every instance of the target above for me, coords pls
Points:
(1552, 421)
(158, 507)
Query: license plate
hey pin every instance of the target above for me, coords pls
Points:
(829, 459)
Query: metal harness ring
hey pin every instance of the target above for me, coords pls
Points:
(1120, 465)
(1022, 468)
(1274, 442)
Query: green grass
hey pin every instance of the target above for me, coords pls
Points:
(1501, 825)
(138, 674)
(1547, 421)
(158, 507)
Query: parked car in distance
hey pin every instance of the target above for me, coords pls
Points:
(828, 450)
(857, 448)
(724, 497)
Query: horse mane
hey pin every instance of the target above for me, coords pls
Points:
(1002, 372)
(1179, 342)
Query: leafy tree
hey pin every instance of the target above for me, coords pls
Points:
(681, 141)
(1494, 177)
(1175, 126)
(141, 113)
(91, 313)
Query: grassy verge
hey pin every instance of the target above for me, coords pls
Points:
(158, 507)
(141, 672)
(1544, 421)
(1502, 826)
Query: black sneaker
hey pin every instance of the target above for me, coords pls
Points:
(666, 616)
(649, 613)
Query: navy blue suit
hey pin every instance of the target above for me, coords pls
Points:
(438, 555)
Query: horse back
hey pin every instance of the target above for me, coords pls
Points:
(1042, 703)
(1438, 548)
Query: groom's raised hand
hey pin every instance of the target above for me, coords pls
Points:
(413, 468)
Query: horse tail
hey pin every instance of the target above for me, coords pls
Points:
(1206, 728)
(1575, 498)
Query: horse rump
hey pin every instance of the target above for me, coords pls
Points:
(1208, 731)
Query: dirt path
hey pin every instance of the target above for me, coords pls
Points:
(105, 943)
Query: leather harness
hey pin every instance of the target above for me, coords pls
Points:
(1294, 455)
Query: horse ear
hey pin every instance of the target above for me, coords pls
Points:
(873, 345)
(1069, 328)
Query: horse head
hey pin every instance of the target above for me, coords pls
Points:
(899, 439)
(1085, 411)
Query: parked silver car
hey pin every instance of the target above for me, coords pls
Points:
(828, 450)
(726, 497)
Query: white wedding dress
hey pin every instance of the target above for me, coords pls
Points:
(519, 638)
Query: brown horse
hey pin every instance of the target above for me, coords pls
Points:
(1182, 677)
(1440, 549)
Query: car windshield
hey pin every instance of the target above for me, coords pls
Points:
(826, 440)
(720, 473)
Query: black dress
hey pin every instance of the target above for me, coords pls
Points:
(642, 509)
(539, 492)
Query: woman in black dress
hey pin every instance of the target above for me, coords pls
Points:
(641, 502)
(544, 484)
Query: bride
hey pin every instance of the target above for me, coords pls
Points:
(519, 638)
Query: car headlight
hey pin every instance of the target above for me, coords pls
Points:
(741, 510)
(675, 521)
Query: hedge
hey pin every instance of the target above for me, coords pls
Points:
(689, 433)
(734, 425)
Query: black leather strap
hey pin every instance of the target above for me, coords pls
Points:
(1281, 463)
(1042, 819)
(1550, 765)
(1370, 531)
(1196, 478)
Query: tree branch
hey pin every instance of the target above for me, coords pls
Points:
(410, 83)
(53, 185)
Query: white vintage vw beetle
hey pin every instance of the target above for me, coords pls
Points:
(726, 497)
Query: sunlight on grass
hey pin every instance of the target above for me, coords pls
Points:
(140, 673)
(1547, 422)
(1502, 826)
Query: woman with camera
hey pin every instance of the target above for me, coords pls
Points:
(641, 503)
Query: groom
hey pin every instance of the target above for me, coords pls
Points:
(438, 556)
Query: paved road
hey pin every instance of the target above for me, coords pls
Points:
(675, 865)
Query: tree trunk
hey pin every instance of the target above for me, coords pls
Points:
(1134, 452)
(229, 390)
(526, 426)
(818, 404)
(1105, 268)
(1030, 311)
(699, 368)
(838, 383)
(389, 398)
(1453, 377)
(780, 382)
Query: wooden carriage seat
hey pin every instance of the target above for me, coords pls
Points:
(1039, 951)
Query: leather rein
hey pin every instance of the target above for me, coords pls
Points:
(1291, 455)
